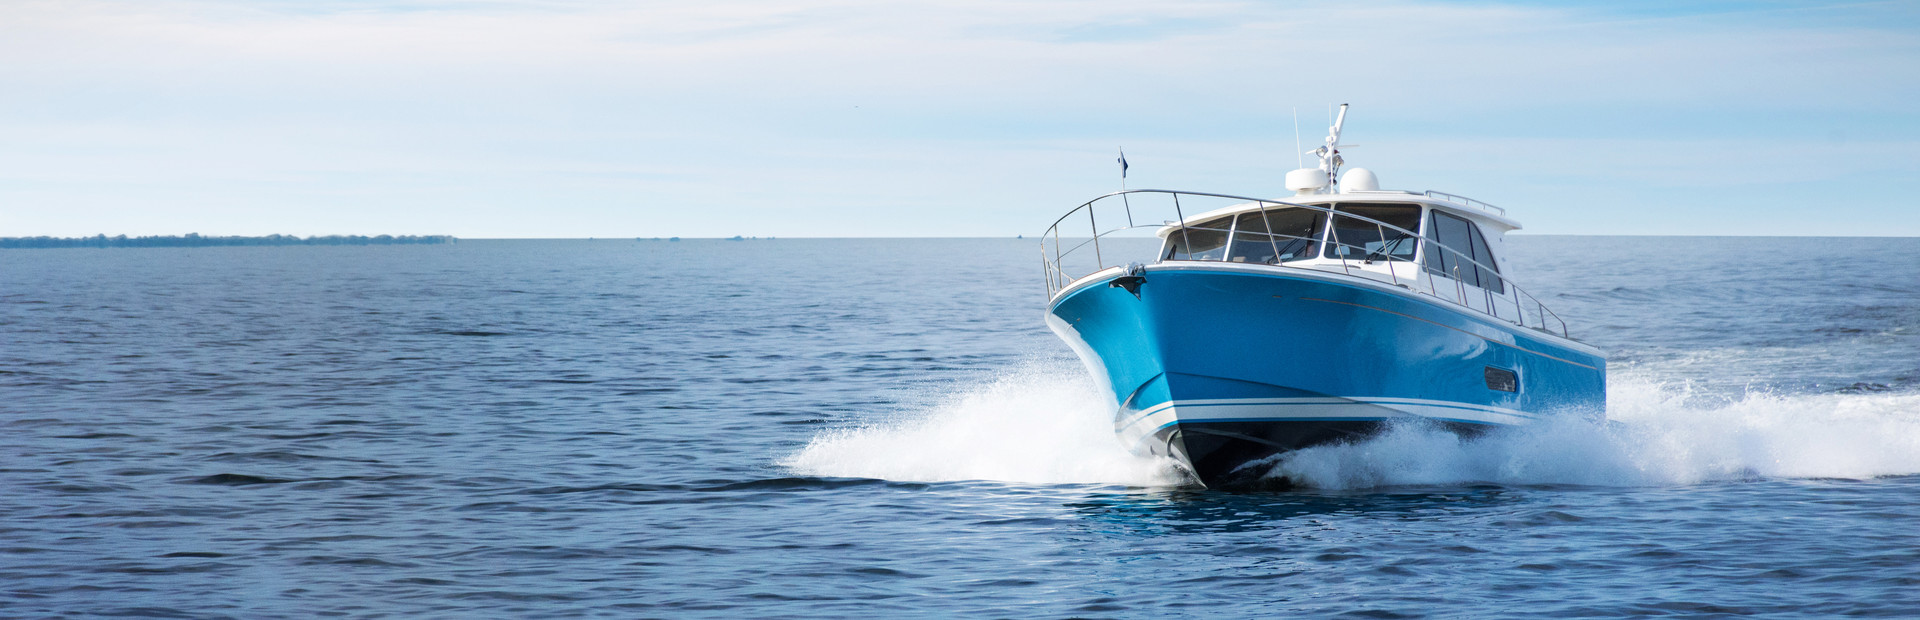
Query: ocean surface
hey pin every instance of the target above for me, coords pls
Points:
(807, 428)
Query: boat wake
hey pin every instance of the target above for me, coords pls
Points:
(1050, 424)
(1659, 435)
(1042, 423)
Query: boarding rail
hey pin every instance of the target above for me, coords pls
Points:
(1064, 257)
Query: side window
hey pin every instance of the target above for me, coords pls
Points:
(1284, 235)
(1203, 241)
(1457, 235)
(1489, 278)
(1466, 246)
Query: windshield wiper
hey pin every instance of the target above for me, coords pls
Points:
(1385, 250)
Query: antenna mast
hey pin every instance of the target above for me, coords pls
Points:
(1329, 154)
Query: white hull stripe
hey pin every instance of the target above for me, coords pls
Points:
(1147, 422)
(1414, 406)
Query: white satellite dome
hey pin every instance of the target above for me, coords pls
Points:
(1359, 180)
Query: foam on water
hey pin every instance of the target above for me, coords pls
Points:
(1048, 424)
(1659, 436)
(1041, 424)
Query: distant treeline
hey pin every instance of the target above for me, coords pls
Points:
(194, 240)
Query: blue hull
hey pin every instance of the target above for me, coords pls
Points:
(1219, 364)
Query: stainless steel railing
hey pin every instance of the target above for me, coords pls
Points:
(1065, 258)
(1465, 201)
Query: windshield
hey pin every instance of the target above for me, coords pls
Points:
(1203, 241)
(1277, 236)
(1357, 239)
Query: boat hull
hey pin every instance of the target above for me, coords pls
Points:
(1218, 365)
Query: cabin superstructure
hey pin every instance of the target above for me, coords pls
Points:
(1442, 244)
(1429, 242)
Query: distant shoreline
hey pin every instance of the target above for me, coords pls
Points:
(194, 240)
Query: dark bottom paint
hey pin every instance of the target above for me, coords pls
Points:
(1217, 452)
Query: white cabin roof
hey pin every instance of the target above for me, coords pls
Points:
(1486, 218)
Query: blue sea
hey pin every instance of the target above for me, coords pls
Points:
(839, 427)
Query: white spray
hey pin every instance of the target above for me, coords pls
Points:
(1048, 424)
(1043, 423)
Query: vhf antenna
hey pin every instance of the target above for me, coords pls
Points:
(1299, 156)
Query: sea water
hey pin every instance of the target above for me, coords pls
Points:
(764, 428)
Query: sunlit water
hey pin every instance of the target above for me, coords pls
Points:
(884, 427)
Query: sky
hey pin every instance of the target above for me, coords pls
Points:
(864, 118)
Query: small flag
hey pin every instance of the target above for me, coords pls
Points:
(1123, 163)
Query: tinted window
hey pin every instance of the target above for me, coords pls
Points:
(1358, 239)
(1488, 275)
(1467, 246)
(1281, 235)
(1204, 241)
(1457, 235)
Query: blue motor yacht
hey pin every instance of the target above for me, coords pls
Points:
(1242, 328)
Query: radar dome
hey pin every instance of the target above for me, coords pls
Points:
(1306, 180)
